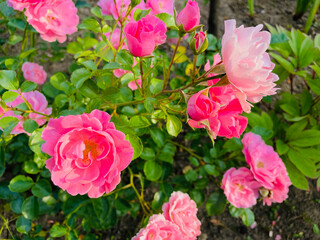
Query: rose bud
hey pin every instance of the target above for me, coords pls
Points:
(199, 43)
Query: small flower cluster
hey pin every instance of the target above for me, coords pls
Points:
(267, 175)
(38, 103)
(178, 221)
(53, 19)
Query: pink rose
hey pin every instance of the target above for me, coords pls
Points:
(120, 72)
(201, 107)
(182, 211)
(159, 228)
(146, 34)
(21, 4)
(133, 86)
(248, 66)
(53, 19)
(267, 168)
(160, 6)
(87, 153)
(199, 39)
(34, 72)
(189, 17)
(108, 7)
(207, 67)
(38, 103)
(240, 187)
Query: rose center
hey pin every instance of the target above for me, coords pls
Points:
(260, 165)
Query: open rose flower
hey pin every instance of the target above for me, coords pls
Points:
(247, 65)
(133, 85)
(34, 72)
(38, 103)
(159, 228)
(240, 187)
(53, 19)
(87, 153)
(182, 211)
(267, 168)
(160, 6)
(21, 4)
(144, 35)
(189, 17)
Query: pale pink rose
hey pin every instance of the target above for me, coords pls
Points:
(144, 35)
(240, 187)
(159, 228)
(201, 107)
(21, 4)
(182, 211)
(189, 17)
(248, 66)
(133, 86)
(267, 168)
(87, 153)
(53, 19)
(38, 103)
(34, 72)
(108, 7)
(160, 6)
(207, 67)
(115, 39)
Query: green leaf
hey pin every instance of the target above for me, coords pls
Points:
(167, 19)
(139, 13)
(90, 24)
(30, 125)
(157, 136)
(6, 10)
(30, 167)
(7, 124)
(295, 128)
(282, 148)
(216, 203)
(90, 65)
(191, 175)
(148, 154)
(41, 189)
(148, 104)
(152, 170)
(136, 144)
(296, 177)
(158, 200)
(173, 125)
(58, 231)
(247, 217)
(112, 66)
(89, 89)
(101, 208)
(302, 162)
(156, 85)
(28, 86)
(79, 76)
(315, 86)
(306, 101)
(139, 122)
(167, 153)
(23, 225)
(211, 169)
(20, 183)
(290, 109)
(9, 96)
(30, 208)
(306, 138)
(283, 62)
(27, 53)
(8, 80)
(306, 53)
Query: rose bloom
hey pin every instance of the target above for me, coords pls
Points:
(182, 211)
(133, 86)
(267, 168)
(38, 103)
(159, 228)
(21, 4)
(189, 17)
(53, 19)
(144, 35)
(108, 7)
(201, 107)
(160, 6)
(240, 187)
(207, 67)
(87, 153)
(248, 66)
(34, 72)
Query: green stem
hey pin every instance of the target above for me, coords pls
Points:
(171, 63)
(312, 14)
(25, 38)
(251, 7)
(194, 67)
(142, 78)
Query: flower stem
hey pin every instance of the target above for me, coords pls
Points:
(142, 78)
(171, 63)
(194, 67)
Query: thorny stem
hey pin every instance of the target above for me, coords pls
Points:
(29, 111)
(171, 63)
